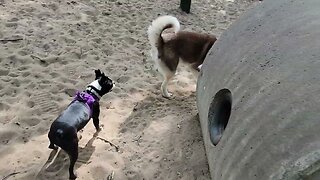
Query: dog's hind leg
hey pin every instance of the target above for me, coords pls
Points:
(73, 155)
(51, 146)
(70, 145)
(167, 75)
(164, 85)
(167, 66)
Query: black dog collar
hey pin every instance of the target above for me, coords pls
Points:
(94, 91)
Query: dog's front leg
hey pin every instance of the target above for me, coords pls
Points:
(95, 116)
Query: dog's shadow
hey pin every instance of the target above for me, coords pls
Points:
(58, 167)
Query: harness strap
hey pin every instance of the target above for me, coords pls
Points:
(94, 91)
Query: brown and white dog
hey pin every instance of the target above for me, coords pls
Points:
(168, 48)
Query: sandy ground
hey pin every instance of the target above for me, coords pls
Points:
(57, 46)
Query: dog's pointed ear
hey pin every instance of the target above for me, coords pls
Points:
(98, 73)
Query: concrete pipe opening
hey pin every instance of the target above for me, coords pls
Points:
(219, 113)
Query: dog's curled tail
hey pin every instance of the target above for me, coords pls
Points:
(159, 25)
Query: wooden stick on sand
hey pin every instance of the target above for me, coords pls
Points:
(111, 144)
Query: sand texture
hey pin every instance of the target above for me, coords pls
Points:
(49, 49)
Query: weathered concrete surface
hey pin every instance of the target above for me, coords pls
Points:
(270, 61)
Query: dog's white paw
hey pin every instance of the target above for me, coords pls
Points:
(167, 95)
(98, 130)
(101, 126)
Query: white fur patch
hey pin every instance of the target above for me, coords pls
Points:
(96, 84)
(157, 25)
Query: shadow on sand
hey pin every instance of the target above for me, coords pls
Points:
(57, 168)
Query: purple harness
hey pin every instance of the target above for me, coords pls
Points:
(85, 98)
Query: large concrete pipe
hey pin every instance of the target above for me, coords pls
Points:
(258, 95)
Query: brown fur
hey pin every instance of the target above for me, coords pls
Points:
(169, 45)
(190, 47)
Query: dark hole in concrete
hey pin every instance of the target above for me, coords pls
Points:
(219, 113)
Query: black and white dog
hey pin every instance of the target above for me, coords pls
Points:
(63, 131)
